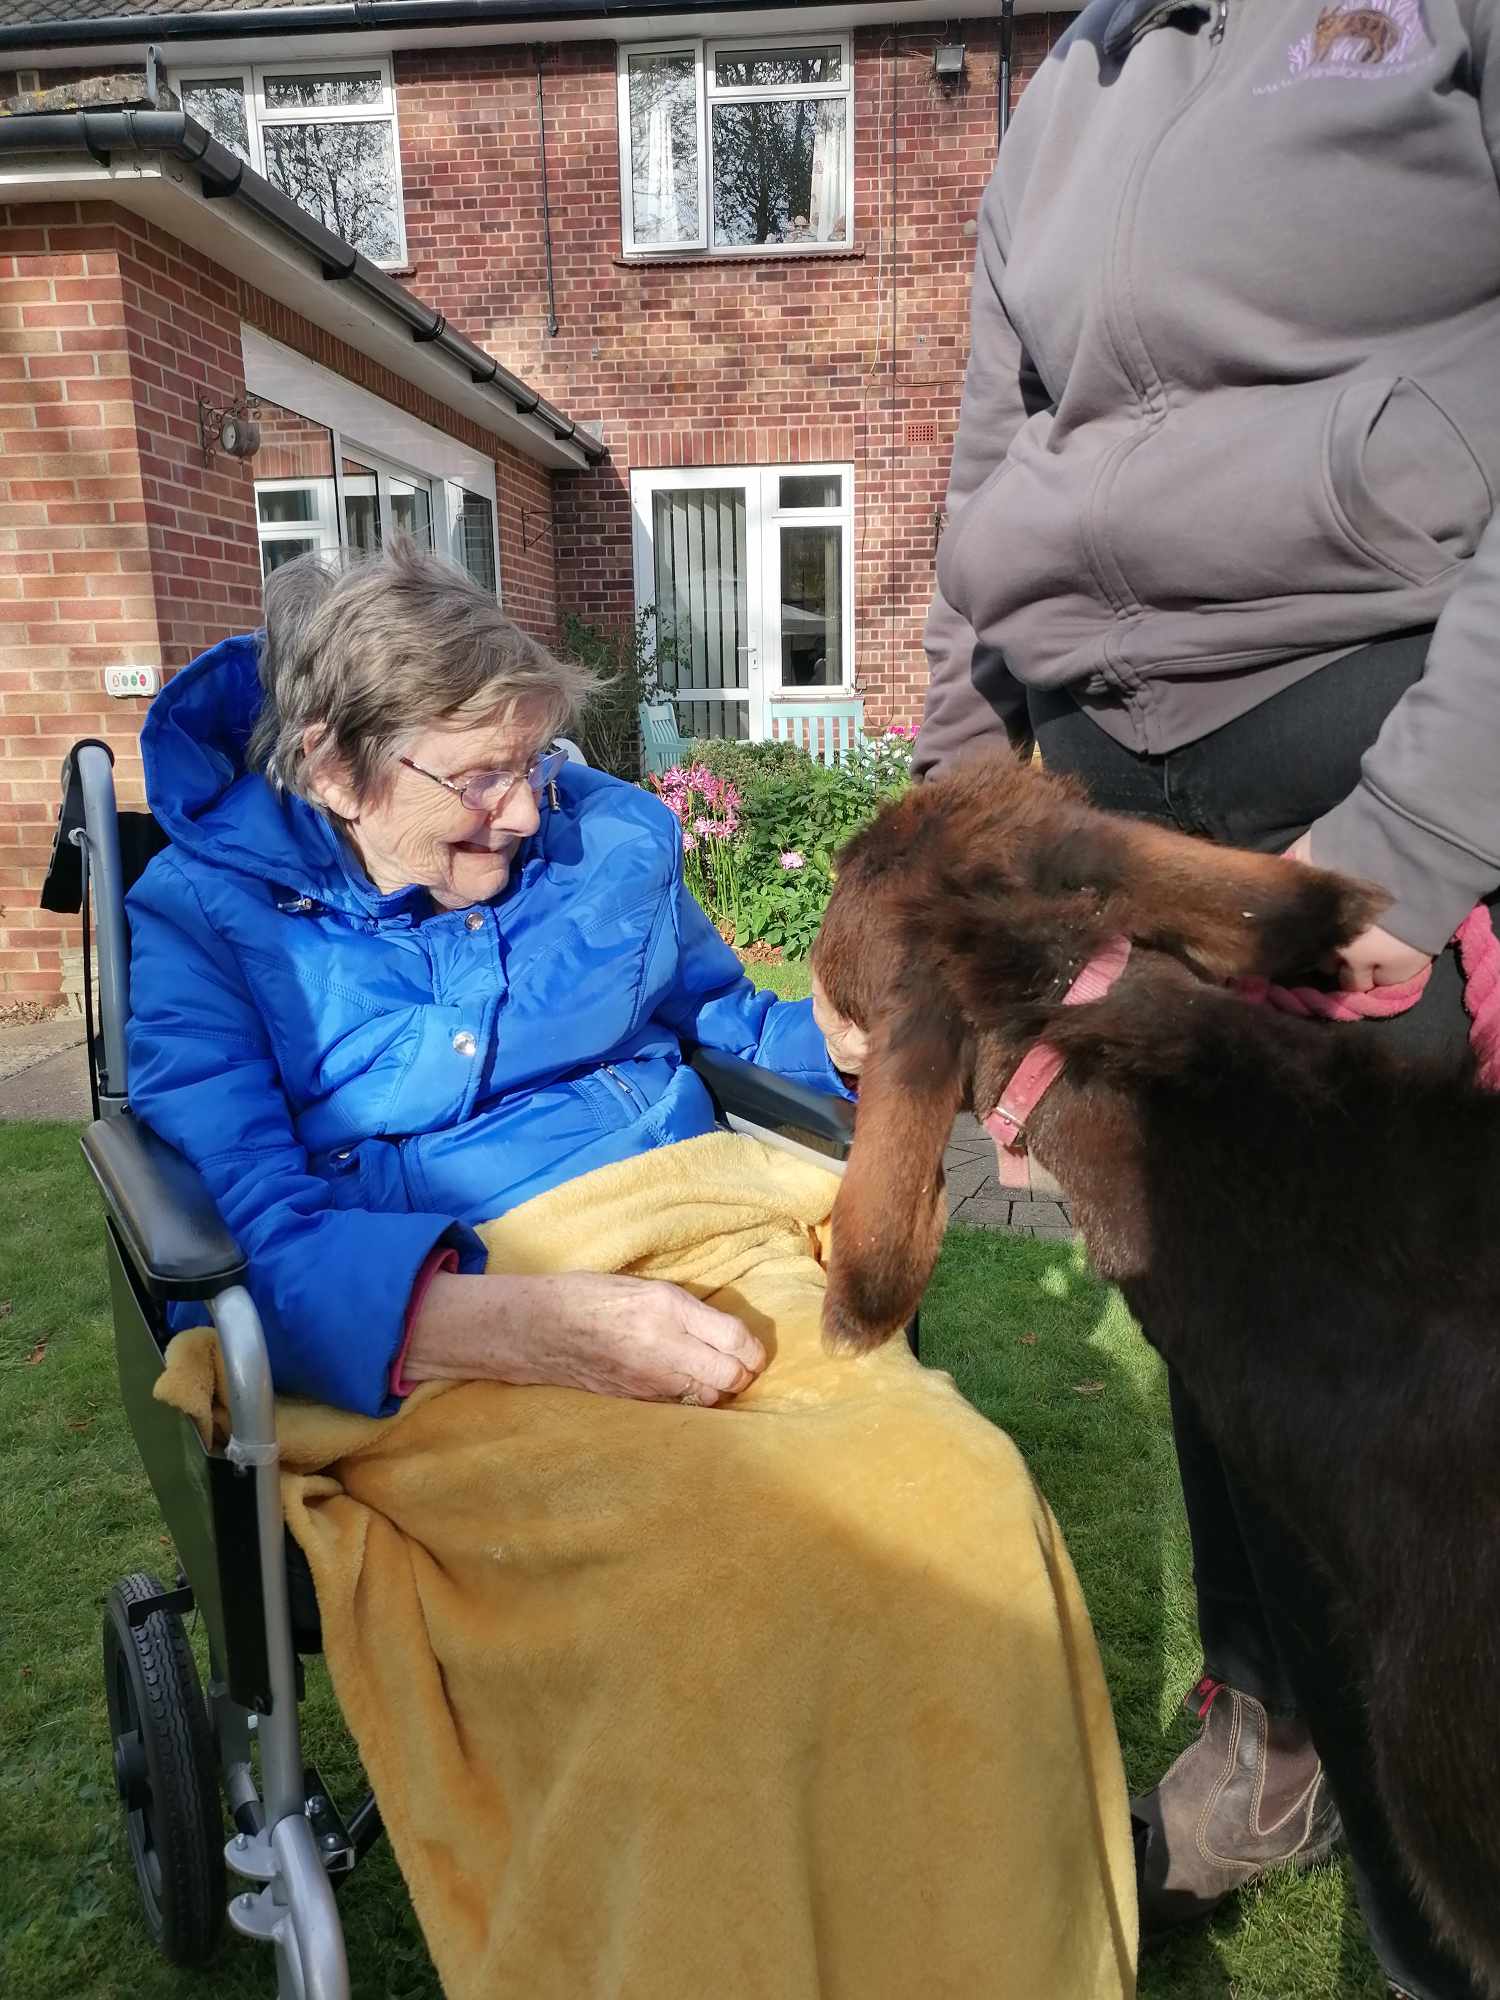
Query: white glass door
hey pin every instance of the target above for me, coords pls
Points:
(749, 574)
(698, 566)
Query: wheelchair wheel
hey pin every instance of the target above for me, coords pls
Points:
(165, 1773)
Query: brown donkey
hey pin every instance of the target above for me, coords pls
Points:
(1337, 1322)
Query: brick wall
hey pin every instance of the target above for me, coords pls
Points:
(291, 447)
(528, 569)
(118, 545)
(857, 358)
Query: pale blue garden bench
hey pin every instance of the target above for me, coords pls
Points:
(662, 745)
(827, 730)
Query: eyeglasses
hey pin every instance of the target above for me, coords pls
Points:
(487, 791)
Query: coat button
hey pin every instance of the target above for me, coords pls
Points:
(464, 1042)
(474, 921)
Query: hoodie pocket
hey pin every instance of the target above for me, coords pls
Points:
(1406, 488)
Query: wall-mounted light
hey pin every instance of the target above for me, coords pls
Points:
(948, 65)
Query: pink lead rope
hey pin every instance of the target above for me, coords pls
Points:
(1478, 956)
(1479, 960)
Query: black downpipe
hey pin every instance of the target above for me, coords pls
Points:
(1007, 25)
(541, 120)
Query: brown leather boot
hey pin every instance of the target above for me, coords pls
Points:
(1249, 1796)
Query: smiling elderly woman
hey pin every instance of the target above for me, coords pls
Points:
(658, 1702)
(421, 991)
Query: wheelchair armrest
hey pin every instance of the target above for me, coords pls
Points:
(746, 1094)
(165, 1216)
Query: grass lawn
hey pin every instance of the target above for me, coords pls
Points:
(1033, 1340)
(791, 980)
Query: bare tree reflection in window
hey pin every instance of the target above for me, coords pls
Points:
(763, 170)
(345, 175)
(664, 148)
(218, 104)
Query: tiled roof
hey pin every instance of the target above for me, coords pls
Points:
(39, 13)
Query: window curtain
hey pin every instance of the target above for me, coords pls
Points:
(829, 206)
(656, 218)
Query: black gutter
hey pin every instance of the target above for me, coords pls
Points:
(232, 23)
(224, 176)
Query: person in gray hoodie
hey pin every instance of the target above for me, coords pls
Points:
(1221, 539)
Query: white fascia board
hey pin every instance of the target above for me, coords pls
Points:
(278, 374)
(295, 47)
(165, 192)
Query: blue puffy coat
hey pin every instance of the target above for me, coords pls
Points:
(360, 1077)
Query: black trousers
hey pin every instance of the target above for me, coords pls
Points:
(1264, 1614)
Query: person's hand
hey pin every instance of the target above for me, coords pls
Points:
(848, 1046)
(1374, 958)
(632, 1337)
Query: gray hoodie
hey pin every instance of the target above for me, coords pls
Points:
(1233, 404)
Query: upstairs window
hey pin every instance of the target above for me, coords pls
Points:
(737, 146)
(325, 134)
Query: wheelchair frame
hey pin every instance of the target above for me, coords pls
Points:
(165, 1241)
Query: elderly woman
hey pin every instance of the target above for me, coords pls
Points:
(422, 992)
(657, 1701)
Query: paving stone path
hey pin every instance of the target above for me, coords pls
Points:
(42, 1075)
(976, 1197)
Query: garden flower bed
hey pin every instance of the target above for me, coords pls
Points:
(762, 824)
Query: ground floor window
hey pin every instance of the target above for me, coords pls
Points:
(340, 468)
(748, 572)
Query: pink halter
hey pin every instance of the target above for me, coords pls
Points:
(1042, 1065)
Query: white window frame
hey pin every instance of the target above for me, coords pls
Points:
(709, 93)
(322, 530)
(385, 470)
(764, 519)
(404, 447)
(251, 80)
(776, 517)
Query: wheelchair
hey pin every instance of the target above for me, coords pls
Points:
(183, 1753)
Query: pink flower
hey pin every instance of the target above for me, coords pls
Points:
(792, 859)
(689, 841)
(704, 828)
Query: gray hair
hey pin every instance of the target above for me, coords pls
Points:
(372, 650)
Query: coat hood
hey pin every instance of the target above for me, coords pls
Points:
(210, 804)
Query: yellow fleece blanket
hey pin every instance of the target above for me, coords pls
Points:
(795, 1697)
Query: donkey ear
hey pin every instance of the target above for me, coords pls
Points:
(1228, 912)
(889, 1218)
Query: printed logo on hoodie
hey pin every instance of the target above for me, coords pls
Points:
(1363, 43)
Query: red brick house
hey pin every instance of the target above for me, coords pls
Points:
(626, 307)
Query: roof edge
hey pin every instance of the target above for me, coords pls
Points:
(230, 23)
(101, 134)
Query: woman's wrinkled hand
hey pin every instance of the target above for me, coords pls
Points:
(632, 1337)
(848, 1046)
(1374, 958)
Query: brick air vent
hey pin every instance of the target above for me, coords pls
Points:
(921, 433)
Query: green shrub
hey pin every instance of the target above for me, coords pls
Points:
(628, 663)
(746, 764)
(764, 872)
